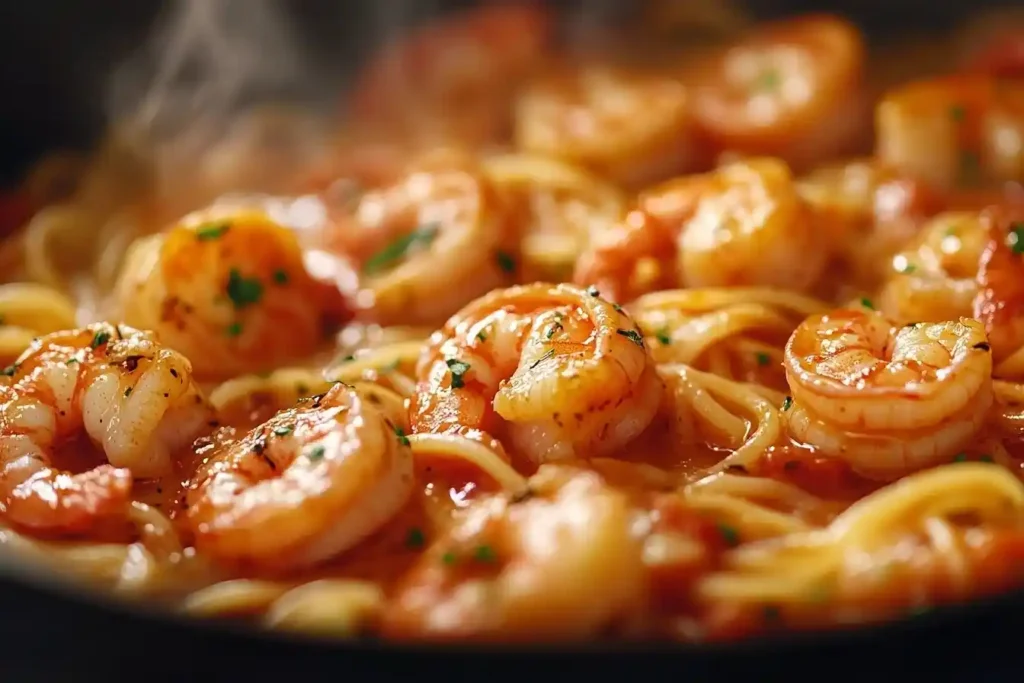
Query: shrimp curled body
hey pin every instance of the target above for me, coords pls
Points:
(887, 400)
(133, 398)
(567, 371)
(303, 487)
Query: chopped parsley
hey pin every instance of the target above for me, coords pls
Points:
(9, 370)
(1015, 240)
(234, 329)
(212, 231)
(243, 291)
(283, 431)
(315, 453)
(663, 337)
(484, 553)
(99, 339)
(385, 258)
(556, 327)
(960, 457)
(866, 303)
(449, 558)
(763, 359)
(957, 113)
(70, 361)
(402, 438)
(768, 80)
(481, 335)
(415, 538)
(550, 353)
(906, 268)
(985, 458)
(729, 535)
(787, 403)
(633, 336)
(505, 261)
(280, 276)
(458, 369)
(128, 392)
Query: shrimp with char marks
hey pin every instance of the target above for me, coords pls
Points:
(307, 485)
(560, 371)
(129, 395)
(887, 400)
(561, 564)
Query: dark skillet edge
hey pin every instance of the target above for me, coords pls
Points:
(56, 615)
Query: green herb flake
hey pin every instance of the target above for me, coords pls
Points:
(99, 339)
(70, 361)
(505, 261)
(867, 303)
(633, 336)
(970, 168)
(985, 458)
(415, 539)
(283, 431)
(556, 327)
(960, 457)
(234, 329)
(449, 558)
(484, 553)
(787, 403)
(906, 268)
(422, 236)
(618, 309)
(663, 336)
(128, 392)
(593, 291)
(212, 231)
(957, 113)
(280, 276)
(763, 359)
(243, 291)
(458, 369)
(315, 453)
(1015, 240)
(402, 438)
(729, 535)
(9, 370)
(481, 336)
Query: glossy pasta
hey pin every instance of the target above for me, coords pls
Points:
(638, 350)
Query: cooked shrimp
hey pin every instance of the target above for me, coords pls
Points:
(558, 208)
(934, 279)
(792, 89)
(229, 288)
(956, 132)
(305, 486)
(999, 303)
(566, 372)
(634, 128)
(453, 81)
(561, 564)
(132, 397)
(741, 225)
(430, 242)
(887, 400)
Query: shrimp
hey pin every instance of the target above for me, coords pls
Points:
(229, 288)
(567, 372)
(954, 133)
(741, 225)
(634, 128)
(132, 397)
(560, 564)
(305, 486)
(453, 81)
(792, 89)
(934, 279)
(430, 242)
(887, 400)
(999, 303)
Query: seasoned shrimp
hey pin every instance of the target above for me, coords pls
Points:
(430, 242)
(561, 564)
(566, 372)
(999, 303)
(955, 133)
(741, 225)
(934, 279)
(887, 400)
(633, 128)
(132, 397)
(792, 89)
(229, 288)
(305, 486)
(453, 81)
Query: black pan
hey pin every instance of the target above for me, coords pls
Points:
(56, 58)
